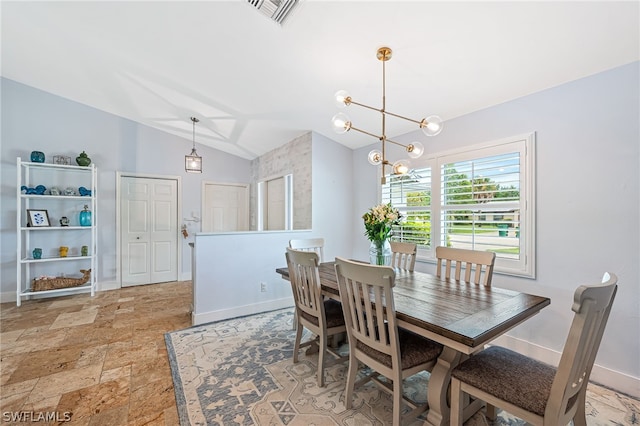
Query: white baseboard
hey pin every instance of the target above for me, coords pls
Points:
(8, 296)
(621, 382)
(185, 276)
(240, 311)
(107, 285)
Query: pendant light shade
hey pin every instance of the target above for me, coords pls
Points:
(193, 162)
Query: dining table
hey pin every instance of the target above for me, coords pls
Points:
(462, 316)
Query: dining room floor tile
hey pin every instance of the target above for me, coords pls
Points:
(100, 359)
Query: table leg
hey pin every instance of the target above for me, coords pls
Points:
(438, 389)
(439, 392)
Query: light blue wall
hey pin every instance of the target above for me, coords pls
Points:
(588, 202)
(332, 195)
(588, 192)
(36, 120)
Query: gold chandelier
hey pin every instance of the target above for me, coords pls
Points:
(431, 125)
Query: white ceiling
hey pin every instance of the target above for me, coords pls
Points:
(256, 85)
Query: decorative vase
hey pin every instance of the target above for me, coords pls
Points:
(380, 252)
(85, 216)
(37, 156)
(37, 253)
(84, 250)
(63, 250)
(83, 159)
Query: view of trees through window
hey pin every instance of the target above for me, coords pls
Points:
(478, 205)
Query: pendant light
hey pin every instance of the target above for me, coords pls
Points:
(193, 162)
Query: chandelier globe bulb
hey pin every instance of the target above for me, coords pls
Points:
(375, 157)
(342, 98)
(415, 149)
(341, 123)
(401, 167)
(431, 125)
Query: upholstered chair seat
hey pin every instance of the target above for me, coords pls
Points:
(333, 314)
(415, 350)
(509, 376)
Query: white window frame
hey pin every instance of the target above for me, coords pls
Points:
(525, 145)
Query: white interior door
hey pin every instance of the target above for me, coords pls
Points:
(225, 207)
(148, 230)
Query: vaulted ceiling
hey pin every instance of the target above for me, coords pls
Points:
(255, 84)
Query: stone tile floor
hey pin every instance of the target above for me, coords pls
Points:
(92, 360)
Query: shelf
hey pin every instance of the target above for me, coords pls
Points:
(30, 174)
(57, 197)
(53, 259)
(88, 168)
(53, 228)
(79, 288)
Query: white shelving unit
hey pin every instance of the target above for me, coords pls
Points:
(50, 238)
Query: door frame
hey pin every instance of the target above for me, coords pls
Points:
(288, 201)
(119, 176)
(247, 188)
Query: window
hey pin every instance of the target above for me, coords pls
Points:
(480, 199)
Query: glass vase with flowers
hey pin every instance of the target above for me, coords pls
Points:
(378, 223)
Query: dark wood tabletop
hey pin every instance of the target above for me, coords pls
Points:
(464, 313)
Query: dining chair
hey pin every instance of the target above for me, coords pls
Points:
(375, 338)
(322, 317)
(531, 390)
(403, 255)
(473, 261)
(309, 244)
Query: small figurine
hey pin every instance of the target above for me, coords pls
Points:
(64, 221)
(83, 159)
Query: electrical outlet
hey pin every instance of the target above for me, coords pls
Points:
(263, 287)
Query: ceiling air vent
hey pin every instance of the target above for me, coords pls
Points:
(278, 10)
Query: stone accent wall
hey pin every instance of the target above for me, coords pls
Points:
(291, 158)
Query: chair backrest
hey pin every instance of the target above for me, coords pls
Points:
(305, 282)
(403, 255)
(370, 320)
(474, 261)
(592, 305)
(309, 244)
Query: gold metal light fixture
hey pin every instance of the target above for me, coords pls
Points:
(193, 162)
(431, 125)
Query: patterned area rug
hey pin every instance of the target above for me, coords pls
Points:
(240, 372)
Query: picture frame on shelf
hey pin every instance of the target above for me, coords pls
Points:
(62, 159)
(37, 218)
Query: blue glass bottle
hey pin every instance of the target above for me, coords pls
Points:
(85, 216)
